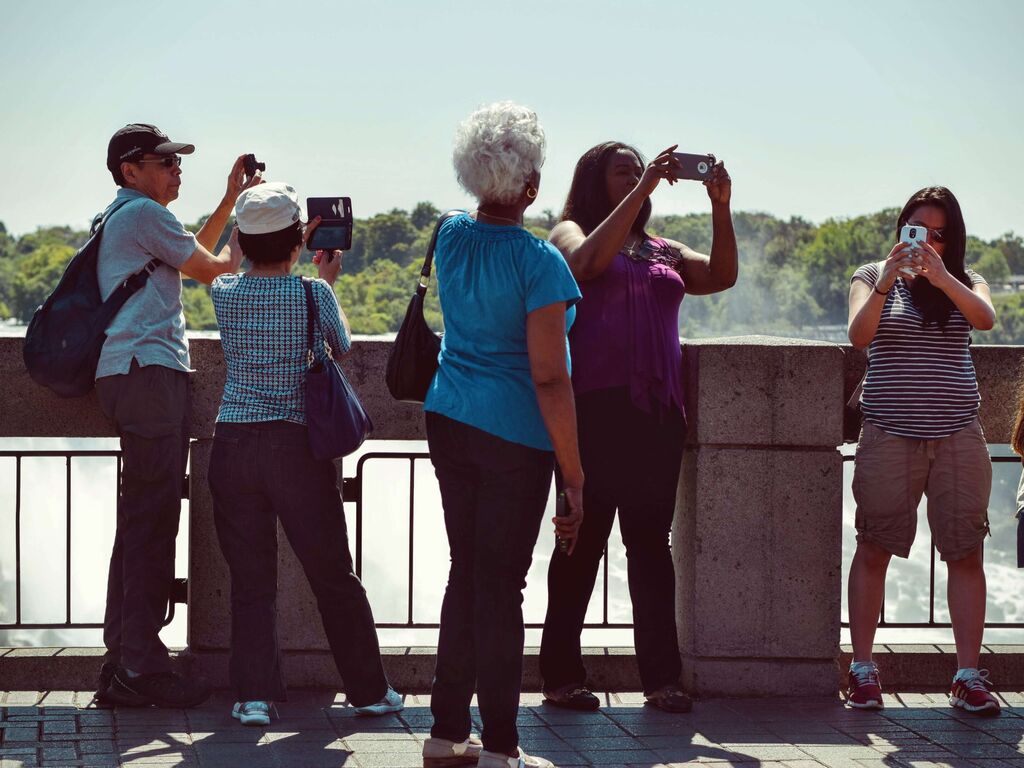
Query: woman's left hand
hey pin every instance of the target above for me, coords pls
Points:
(328, 264)
(719, 185)
(929, 265)
(567, 527)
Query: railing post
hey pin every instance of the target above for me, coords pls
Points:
(757, 538)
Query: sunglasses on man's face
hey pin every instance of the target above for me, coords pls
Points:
(170, 161)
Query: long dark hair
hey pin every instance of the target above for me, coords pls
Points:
(588, 204)
(936, 306)
(1017, 436)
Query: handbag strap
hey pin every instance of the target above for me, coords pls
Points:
(428, 262)
(311, 318)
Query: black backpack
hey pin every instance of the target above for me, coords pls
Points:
(64, 339)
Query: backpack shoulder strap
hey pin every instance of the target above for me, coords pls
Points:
(99, 219)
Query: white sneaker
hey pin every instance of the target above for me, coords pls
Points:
(392, 702)
(251, 712)
(442, 753)
(501, 760)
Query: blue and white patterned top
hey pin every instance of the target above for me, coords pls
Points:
(263, 332)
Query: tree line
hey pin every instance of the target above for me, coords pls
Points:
(794, 275)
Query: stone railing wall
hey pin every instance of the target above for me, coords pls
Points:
(757, 535)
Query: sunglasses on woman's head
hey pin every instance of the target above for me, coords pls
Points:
(934, 235)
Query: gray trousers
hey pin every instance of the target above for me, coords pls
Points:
(150, 407)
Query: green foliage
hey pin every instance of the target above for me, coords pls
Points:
(35, 275)
(1009, 327)
(837, 249)
(45, 236)
(794, 275)
(424, 215)
(1012, 247)
(987, 260)
(199, 314)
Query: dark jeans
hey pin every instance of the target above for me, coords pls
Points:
(150, 408)
(261, 473)
(631, 462)
(494, 493)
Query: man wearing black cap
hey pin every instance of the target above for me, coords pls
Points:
(142, 384)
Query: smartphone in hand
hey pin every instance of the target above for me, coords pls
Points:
(334, 233)
(914, 235)
(561, 510)
(695, 167)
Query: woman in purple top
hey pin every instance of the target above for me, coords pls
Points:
(627, 380)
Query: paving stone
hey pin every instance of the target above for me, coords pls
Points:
(618, 756)
(100, 761)
(59, 753)
(1000, 751)
(19, 734)
(388, 760)
(97, 747)
(59, 726)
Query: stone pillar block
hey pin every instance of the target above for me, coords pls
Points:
(758, 569)
(757, 539)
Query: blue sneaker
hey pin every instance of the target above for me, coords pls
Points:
(392, 702)
(251, 712)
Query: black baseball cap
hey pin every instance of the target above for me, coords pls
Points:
(137, 139)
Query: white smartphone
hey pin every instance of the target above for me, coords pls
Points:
(914, 234)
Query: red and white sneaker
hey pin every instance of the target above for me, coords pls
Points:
(864, 691)
(970, 692)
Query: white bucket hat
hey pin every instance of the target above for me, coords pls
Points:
(268, 207)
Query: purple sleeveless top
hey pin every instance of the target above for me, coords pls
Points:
(627, 329)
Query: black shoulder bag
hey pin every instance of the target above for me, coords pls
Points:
(413, 359)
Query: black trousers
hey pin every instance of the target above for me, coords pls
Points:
(150, 408)
(494, 493)
(261, 473)
(631, 460)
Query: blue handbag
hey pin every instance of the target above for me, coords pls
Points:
(337, 422)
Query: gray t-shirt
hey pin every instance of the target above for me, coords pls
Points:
(150, 327)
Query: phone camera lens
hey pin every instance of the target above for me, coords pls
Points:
(913, 233)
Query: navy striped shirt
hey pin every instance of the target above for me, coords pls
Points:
(921, 381)
(263, 332)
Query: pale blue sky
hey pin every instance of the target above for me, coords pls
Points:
(818, 109)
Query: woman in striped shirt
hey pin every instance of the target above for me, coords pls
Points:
(914, 313)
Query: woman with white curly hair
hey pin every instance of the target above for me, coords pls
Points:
(499, 416)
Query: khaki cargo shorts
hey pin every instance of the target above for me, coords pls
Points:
(891, 473)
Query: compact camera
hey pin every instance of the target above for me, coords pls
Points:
(252, 165)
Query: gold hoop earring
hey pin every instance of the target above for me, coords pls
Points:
(531, 192)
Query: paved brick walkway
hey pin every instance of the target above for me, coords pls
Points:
(317, 729)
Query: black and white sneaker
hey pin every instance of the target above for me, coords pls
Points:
(103, 682)
(160, 689)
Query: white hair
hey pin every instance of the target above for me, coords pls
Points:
(497, 148)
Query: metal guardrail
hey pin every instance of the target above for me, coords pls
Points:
(352, 491)
(178, 589)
